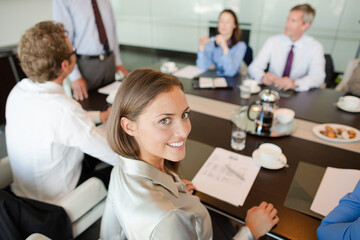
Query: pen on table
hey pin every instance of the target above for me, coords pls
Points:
(234, 172)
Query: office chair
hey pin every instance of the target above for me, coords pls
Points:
(84, 205)
(329, 72)
(350, 68)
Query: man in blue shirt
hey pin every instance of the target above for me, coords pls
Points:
(344, 221)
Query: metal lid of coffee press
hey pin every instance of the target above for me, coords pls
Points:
(269, 95)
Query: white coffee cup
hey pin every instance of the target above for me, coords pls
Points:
(350, 102)
(252, 84)
(245, 92)
(269, 153)
(168, 67)
(284, 115)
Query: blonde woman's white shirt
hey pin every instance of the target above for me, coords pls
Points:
(145, 203)
(46, 136)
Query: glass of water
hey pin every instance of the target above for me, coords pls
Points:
(239, 124)
(238, 137)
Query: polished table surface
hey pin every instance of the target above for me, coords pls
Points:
(272, 186)
(316, 105)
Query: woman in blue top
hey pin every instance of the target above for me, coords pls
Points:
(225, 50)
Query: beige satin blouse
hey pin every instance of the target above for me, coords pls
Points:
(145, 203)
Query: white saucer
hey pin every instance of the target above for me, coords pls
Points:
(256, 89)
(280, 163)
(341, 105)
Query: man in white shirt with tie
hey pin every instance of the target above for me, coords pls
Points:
(92, 31)
(296, 60)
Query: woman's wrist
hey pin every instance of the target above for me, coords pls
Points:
(225, 50)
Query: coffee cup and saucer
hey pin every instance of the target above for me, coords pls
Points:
(252, 84)
(168, 67)
(270, 156)
(349, 104)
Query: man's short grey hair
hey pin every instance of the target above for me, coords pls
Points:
(308, 12)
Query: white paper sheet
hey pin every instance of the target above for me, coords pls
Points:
(188, 72)
(112, 87)
(215, 179)
(334, 185)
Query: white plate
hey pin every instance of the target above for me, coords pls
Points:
(256, 89)
(280, 163)
(341, 105)
(321, 127)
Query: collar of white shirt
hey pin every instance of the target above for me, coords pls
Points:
(46, 87)
(298, 44)
(145, 170)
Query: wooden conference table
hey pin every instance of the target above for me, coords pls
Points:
(272, 186)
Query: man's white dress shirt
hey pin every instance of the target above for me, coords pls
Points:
(308, 66)
(79, 20)
(46, 135)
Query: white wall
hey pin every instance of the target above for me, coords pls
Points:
(177, 25)
(18, 15)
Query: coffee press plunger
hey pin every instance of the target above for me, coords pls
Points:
(266, 107)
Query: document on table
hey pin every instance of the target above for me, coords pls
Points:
(110, 88)
(227, 176)
(334, 185)
(188, 72)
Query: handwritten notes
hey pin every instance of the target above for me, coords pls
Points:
(215, 179)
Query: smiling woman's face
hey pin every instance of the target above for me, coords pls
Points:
(162, 129)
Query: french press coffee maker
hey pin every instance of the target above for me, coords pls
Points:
(265, 108)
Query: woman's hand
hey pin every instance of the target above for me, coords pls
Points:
(203, 41)
(222, 42)
(261, 219)
(190, 187)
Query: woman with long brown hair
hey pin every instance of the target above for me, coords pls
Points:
(148, 126)
(225, 50)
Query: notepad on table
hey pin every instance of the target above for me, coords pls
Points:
(216, 179)
(334, 185)
(206, 82)
(188, 72)
(114, 86)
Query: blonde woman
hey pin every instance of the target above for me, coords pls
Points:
(148, 126)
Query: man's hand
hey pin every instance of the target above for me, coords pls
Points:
(123, 69)
(79, 89)
(105, 115)
(261, 219)
(190, 187)
(269, 79)
(221, 41)
(284, 83)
